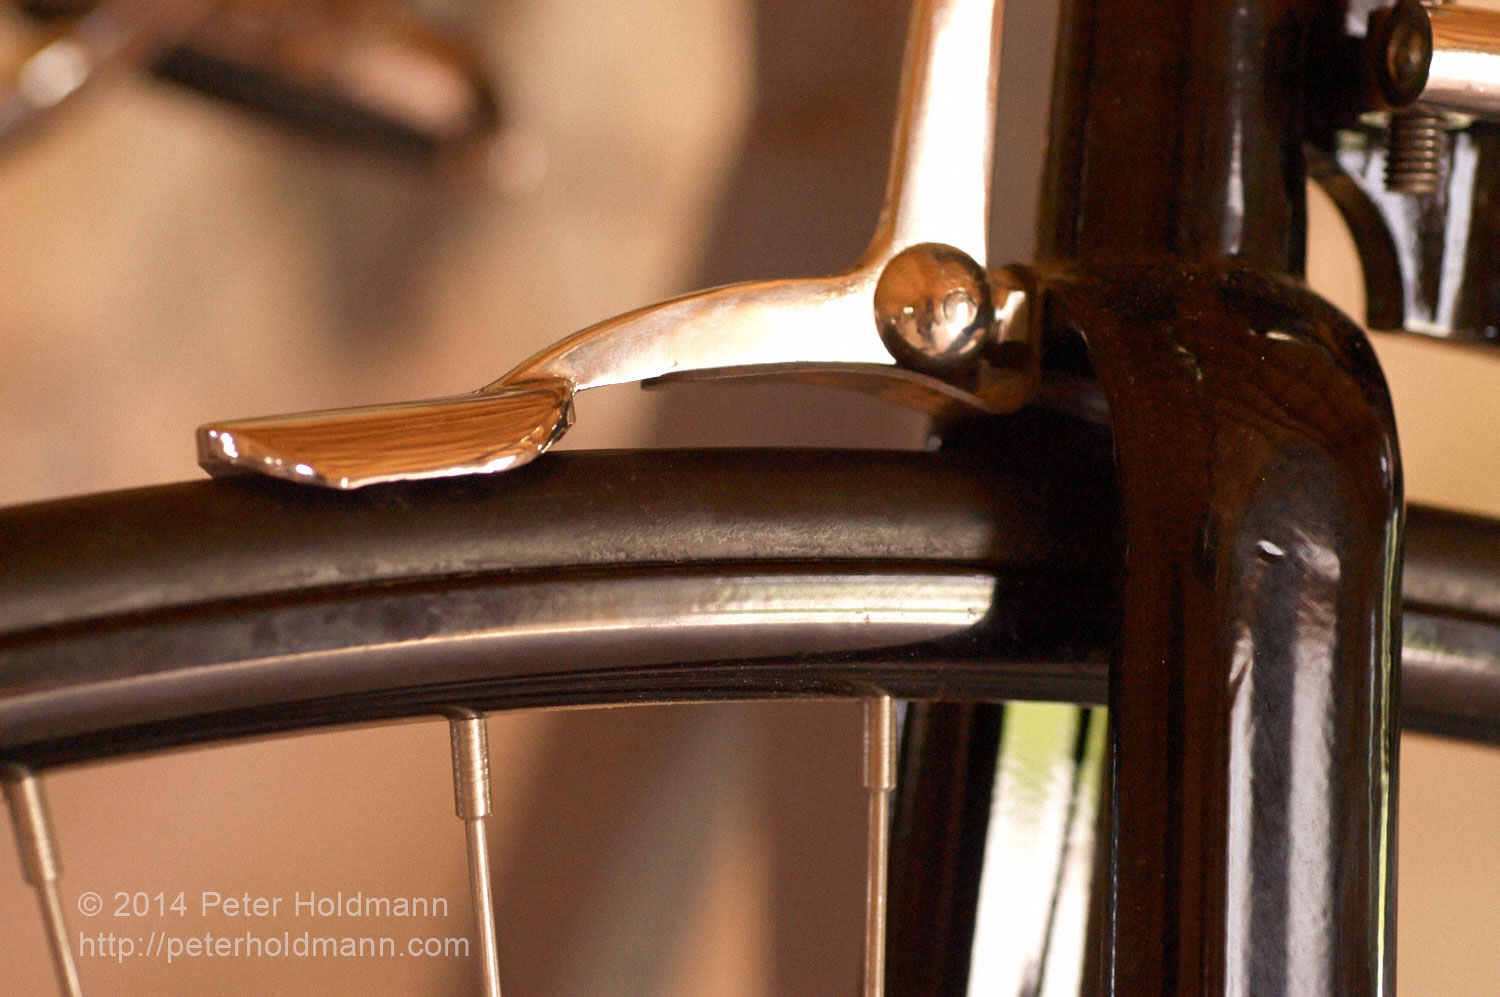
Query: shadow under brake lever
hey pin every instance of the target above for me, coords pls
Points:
(919, 319)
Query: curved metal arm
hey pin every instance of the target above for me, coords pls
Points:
(822, 330)
(939, 188)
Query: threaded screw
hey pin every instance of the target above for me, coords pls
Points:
(1416, 151)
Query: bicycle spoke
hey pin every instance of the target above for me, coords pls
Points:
(471, 795)
(880, 779)
(41, 866)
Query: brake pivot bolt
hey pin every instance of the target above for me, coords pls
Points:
(934, 308)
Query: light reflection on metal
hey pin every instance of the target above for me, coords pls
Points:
(1464, 72)
(820, 329)
(939, 187)
(1279, 888)
(1436, 56)
(649, 621)
(1311, 884)
(1038, 856)
(469, 434)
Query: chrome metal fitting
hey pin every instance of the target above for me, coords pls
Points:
(1442, 56)
(972, 349)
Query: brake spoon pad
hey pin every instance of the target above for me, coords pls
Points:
(919, 320)
(478, 433)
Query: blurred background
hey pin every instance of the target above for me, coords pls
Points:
(167, 258)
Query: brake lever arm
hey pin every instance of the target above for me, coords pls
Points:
(918, 319)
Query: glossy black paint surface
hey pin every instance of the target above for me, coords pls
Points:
(1176, 131)
(1252, 691)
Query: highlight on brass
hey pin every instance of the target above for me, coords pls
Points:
(350, 448)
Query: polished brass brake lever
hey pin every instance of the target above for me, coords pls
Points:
(919, 319)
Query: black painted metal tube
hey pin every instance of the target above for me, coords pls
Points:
(1253, 688)
(1176, 132)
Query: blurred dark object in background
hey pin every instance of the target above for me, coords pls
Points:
(367, 73)
(361, 73)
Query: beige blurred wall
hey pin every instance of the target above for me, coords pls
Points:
(165, 261)
(1447, 402)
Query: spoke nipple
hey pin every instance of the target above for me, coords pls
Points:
(28, 811)
(471, 766)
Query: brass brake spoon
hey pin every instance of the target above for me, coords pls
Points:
(918, 320)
